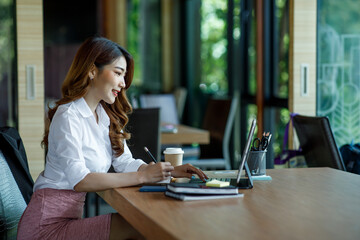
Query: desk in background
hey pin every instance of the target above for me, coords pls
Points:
(309, 203)
(186, 135)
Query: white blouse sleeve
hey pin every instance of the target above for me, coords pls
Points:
(66, 132)
(125, 162)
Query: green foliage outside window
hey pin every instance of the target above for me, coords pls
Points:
(7, 62)
(133, 36)
(213, 47)
(282, 21)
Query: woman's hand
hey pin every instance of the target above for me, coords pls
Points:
(155, 172)
(187, 170)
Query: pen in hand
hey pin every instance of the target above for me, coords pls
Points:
(149, 153)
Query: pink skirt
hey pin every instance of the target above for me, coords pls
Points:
(57, 214)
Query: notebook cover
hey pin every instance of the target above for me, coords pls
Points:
(152, 189)
(188, 197)
(200, 188)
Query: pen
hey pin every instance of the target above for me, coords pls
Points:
(269, 138)
(149, 153)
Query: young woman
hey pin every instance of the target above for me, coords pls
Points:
(85, 137)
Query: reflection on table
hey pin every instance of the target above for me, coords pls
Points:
(186, 135)
(312, 203)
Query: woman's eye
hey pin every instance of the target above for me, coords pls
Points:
(117, 73)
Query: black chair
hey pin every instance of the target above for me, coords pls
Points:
(218, 120)
(317, 142)
(144, 126)
(16, 183)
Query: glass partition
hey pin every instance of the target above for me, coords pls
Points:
(8, 80)
(338, 67)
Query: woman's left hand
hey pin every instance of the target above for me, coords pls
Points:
(187, 170)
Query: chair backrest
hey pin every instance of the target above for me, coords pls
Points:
(180, 98)
(144, 126)
(219, 120)
(16, 183)
(317, 142)
(166, 103)
(229, 127)
(13, 150)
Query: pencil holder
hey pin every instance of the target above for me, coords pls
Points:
(257, 162)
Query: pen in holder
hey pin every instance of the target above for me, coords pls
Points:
(257, 162)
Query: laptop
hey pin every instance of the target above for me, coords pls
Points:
(237, 181)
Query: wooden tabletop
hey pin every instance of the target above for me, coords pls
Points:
(186, 135)
(309, 203)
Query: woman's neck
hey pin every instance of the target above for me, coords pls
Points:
(92, 103)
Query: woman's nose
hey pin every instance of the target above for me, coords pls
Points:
(122, 83)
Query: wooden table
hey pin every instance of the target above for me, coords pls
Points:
(186, 135)
(316, 203)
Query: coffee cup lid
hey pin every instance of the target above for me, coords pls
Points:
(173, 151)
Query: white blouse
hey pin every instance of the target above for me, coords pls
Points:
(78, 145)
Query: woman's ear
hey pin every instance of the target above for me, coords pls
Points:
(92, 72)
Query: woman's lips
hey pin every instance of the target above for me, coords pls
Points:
(115, 93)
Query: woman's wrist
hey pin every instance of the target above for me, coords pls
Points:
(141, 177)
(142, 167)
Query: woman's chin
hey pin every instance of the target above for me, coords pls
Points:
(110, 101)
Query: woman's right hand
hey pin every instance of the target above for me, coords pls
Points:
(154, 172)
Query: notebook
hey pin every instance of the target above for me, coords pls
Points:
(237, 181)
(187, 197)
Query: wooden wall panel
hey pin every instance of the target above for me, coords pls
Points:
(302, 51)
(29, 20)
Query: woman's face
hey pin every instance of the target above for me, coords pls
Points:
(109, 82)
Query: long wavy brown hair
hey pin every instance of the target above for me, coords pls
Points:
(97, 51)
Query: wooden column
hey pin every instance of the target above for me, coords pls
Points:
(302, 52)
(30, 57)
(167, 45)
(260, 66)
(115, 21)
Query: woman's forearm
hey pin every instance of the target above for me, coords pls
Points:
(102, 181)
(146, 173)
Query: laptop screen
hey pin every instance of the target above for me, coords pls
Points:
(246, 150)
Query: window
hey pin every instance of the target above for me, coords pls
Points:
(213, 47)
(275, 70)
(8, 69)
(338, 72)
(133, 29)
(144, 43)
(215, 54)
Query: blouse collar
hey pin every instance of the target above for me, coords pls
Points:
(85, 111)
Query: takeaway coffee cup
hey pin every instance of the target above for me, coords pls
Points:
(174, 156)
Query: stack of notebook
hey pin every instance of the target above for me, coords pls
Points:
(202, 191)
